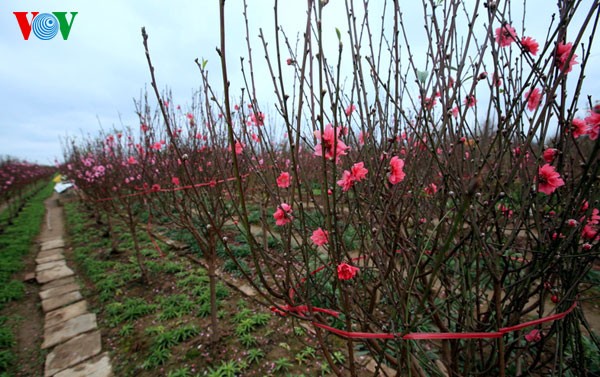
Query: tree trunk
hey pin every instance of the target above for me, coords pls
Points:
(212, 277)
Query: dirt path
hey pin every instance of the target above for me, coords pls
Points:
(71, 340)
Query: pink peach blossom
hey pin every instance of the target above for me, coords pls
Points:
(579, 127)
(548, 179)
(396, 173)
(329, 142)
(530, 45)
(320, 237)
(346, 181)
(563, 51)
(550, 154)
(346, 271)
(283, 181)
(505, 35)
(533, 97)
(533, 336)
(283, 215)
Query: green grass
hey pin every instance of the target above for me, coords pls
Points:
(229, 368)
(15, 243)
(161, 332)
(248, 340)
(128, 310)
(249, 324)
(180, 372)
(164, 340)
(20, 199)
(307, 353)
(254, 355)
(174, 306)
(282, 364)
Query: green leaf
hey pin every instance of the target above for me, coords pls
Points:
(339, 35)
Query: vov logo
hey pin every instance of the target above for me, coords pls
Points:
(45, 26)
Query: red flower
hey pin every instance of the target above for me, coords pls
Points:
(505, 35)
(550, 154)
(359, 171)
(346, 271)
(506, 211)
(590, 230)
(239, 147)
(497, 80)
(579, 127)
(283, 214)
(350, 109)
(533, 336)
(361, 137)
(455, 112)
(595, 218)
(132, 160)
(563, 51)
(347, 181)
(289, 61)
(470, 101)
(327, 141)
(283, 181)
(548, 179)
(257, 119)
(593, 125)
(534, 97)
(429, 102)
(320, 237)
(431, 189)
(530, 45)
(396, 173)
(175, 181)
(155, 187)
(356, 174)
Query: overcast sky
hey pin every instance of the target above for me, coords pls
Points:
(57, 88)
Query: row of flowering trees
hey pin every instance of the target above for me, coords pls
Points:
(18, 181)
(398, 219)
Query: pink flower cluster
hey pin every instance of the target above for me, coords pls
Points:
(330, 143)
(283, 214)
(396, 170)
(564, 60)
(591, 229)
(590, 125)
(356, 174)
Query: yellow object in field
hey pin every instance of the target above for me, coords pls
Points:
(57, 179)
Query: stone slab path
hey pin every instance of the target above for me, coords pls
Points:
(71, 334)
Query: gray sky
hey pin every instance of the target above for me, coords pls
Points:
(55, 88)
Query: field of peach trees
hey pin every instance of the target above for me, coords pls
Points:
(433, 208)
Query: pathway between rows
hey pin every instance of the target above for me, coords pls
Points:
(71, 335)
